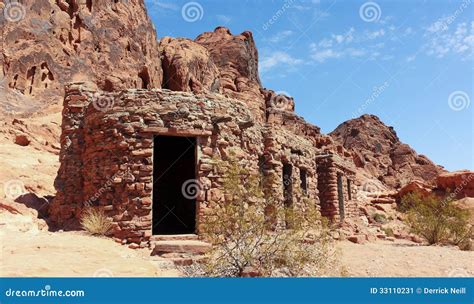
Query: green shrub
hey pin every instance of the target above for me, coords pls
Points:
(246, 233)
(388, 232)
(95, 222)
(436, 219)
(380, 218)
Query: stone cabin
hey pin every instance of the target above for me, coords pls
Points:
(146, 157)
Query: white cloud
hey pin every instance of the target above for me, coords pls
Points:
(350, 44)
(323, 55)
(278, 58)
(223, 18)
(375, 34)
(163, 5)
(411, 58)
(347, 37)
(325, 43)
(280, 36)
(446, 39)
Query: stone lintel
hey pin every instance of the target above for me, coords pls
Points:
(177, 132)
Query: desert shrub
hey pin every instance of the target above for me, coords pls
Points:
(95, 222)
(245, 233)
(380, 218)
(388, 232)
(437, 219)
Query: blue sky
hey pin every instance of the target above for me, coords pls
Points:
(408, 62)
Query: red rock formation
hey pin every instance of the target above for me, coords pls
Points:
(110, 42)
(459, 183)
(188, 67)
(379, 151)
(237, 60)
(415, 186)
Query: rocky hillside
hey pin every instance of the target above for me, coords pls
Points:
(112, 43)
(377, 149)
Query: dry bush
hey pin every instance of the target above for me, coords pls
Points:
(95, 222)
(437, 220)
(245, 234)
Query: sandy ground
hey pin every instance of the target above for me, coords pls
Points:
(71, 254)
(405, 259)
(29, 168)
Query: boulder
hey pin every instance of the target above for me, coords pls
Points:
(358, 239)
(22, 140)
(459, 183)
(415, 186)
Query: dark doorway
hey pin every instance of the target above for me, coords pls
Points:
(174, 165)
(288, 192)
(340, 195)
(303, 181)
(287, 185)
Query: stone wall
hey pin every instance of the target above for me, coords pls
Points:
(329, 168)
(107, 154)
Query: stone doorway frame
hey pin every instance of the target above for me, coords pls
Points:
(174, 132)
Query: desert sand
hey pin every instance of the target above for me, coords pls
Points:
(405, 259)
(36, 253)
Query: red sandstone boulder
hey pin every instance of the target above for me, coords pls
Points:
(358, 239)
(187, 66)
(380, 152)
(22, 140)
(415, 186)
(459, 183)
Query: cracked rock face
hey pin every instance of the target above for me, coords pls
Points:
(236, 57)
(188, 67)
(56, 42)
(378, 149)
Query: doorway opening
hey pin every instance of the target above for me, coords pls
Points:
(287, 191)
(174, 168)
(340, 195)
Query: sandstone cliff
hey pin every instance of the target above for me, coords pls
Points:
(112, 43)
(377, 149)
(216, 61)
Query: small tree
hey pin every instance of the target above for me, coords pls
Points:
(436, 219)
(245, 235)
